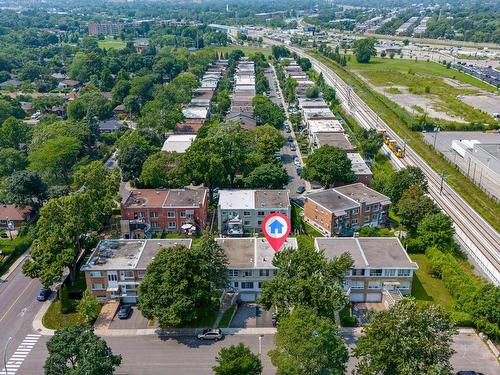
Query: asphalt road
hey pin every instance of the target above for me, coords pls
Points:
(18, 307)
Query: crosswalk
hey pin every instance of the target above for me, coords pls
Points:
(20, 355)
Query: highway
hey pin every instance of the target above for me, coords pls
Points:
(477, 237)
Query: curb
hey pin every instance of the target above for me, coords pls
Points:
(14, 265)
(37, 322)
(181, 332)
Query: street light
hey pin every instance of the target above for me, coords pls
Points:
(5, 355)
(260, 345)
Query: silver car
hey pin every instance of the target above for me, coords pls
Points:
(211, 334)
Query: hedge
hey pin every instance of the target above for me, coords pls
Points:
(464, 288)
(346, 320)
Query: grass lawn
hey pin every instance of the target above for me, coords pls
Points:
(246, 50)
(7, 249)
(206, 318)
(427, 288)
(300, 226)
(418, 76)
(226, 318)
(109, 43)
(54, 319)
(399, 120)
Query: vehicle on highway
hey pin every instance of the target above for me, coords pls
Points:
(296, 161)
(124, 312)
(293, 147)
(290, 138)
(211, 334)
(44, 294)
(301, 189)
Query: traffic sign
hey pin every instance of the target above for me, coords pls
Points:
(276, 227)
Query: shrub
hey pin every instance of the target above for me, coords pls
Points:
(491, 329)
(22, 246)
(462, 319)
(66, 303)
(414, 245)
(346, 320)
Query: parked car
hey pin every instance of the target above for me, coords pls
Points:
(211, 334)
(44, 294)
(301, 189)
(124, 312)
(287, 129)
(296, 161)
(289, 138)
(293, 147)
(298, 169)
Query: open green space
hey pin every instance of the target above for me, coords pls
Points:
(55, 319)
(399, 120)
(109, 43)
(427, 288)
(246, 50)
(425, 79)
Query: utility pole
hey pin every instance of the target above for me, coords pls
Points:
(5, 355)
(260, 345)
(441, 183)
(436, 131)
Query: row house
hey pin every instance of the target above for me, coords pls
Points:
(242, 211)
(146, 211)
(382, 271)
(345, 209)
(241, 109)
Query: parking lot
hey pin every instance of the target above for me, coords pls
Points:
(251, 315)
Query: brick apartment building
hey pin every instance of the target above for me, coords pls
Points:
(345, 209)
(151, 210)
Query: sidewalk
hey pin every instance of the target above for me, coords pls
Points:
(37, 325)
(182, 332)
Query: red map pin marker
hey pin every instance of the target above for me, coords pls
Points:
(276, 227)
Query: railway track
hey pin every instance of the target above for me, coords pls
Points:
(477, 236)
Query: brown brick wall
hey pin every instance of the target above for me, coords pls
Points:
(318, 214)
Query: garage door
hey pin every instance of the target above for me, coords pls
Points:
(374, 297)
(129, 300)
(247, 297)
(356, 297)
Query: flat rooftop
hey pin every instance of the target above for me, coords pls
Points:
(178, 142)
(335, 139)
(250, 253)
(358, 164)
(195, 112)
(121, 254)
(333, 201)
(312, 103)
(164, 198)
(363, 194)
(492, 149)
(367, 252)
(324, 126)
(253, 199)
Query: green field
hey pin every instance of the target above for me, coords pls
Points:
(246, 50)
(399, 120)
(109, 43)
(425, 79)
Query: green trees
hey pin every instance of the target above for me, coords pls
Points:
(11, 160)
(414, 206)
(267, 112)
(370, 142)
(408, 338)
(402, 180)
(14, 133)
(181, 282)
(289, 89)
(364, 50)
(77, 350)
(237, 359)
(268, 140)
(26, 189)
(161, 170)
(328, 165)
(134, 150)
(89, 307)
(267, 176)
(308, 344)
(436, 230)
(85, 65)
(312, 92)
(280, 51)
(306, 278)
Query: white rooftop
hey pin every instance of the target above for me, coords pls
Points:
(325, 126)
(237, 199)
(178, 142)
(195, 112)
(358, 164)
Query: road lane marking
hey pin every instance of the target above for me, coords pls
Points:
(17, 299)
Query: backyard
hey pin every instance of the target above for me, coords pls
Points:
(109, 43)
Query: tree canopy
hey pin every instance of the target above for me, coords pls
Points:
(237, 359)
(364, 49)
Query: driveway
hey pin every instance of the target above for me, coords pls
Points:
(251, 315)
(135, 321)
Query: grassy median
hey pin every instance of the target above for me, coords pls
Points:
(399, 120)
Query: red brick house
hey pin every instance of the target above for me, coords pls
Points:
(150, 210)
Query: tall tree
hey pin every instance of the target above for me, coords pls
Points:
(370, 142)
(11, 160)
(267, 112)
(237, 359)
(26, 189)
(414, 206)
(408, 338)
(89, 307)
(364, 50)
(14, 133)
(308, 344)
(77, 350)
(306, 278)
(402, 180)
(268, 140)
(436, 230)
(329, 165)
(267, 176)
(161, 170)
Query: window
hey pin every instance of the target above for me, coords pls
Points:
(246, 223)
(172, 225)
(390, 273)
(233, 273)
(376, 272)
(260, 285)
(112, 277)
(3, 221)
(260, 213)
(129, 274)
(140, 274)
(259, 222)
(354, 222)
(153, 214)
(247, 285)
(224, 213)
(404, 285)
(97, 287)
(183, 214)
(263, 273)
(139, 214)
(374, 217)
(367, 219)
(171, 214)
(357, 272)
(404, 273)
(367, 208)
(155, 224)
(376, 207)
(357, 284)
(96, 274)
(374, 285)
(236, 284)
(247, 213)
(247, 273)
(129, 287)
(355, 211)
